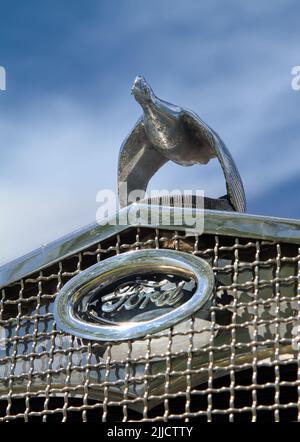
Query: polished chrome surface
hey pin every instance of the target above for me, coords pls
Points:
(168, 132)
(147, 348)
(177, 373)
(215, 222)
(76, 294)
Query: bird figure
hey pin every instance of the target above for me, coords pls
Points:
(168, 132)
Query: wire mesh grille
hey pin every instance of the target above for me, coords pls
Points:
(242, 363)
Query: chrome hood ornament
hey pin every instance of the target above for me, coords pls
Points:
(168, 132)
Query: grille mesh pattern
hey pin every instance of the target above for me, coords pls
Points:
(240, 364)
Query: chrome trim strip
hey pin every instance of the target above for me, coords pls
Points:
(215, 222)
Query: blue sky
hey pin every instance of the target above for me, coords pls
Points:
(68, 106)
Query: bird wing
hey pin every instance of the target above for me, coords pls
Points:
(138, 161)
(213, 146)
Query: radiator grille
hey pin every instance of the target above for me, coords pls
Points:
(241, 364)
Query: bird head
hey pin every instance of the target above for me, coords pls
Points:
(142, 91)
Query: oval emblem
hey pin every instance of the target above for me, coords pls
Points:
(134, 294)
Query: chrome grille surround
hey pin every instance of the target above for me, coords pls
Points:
(243, 363)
